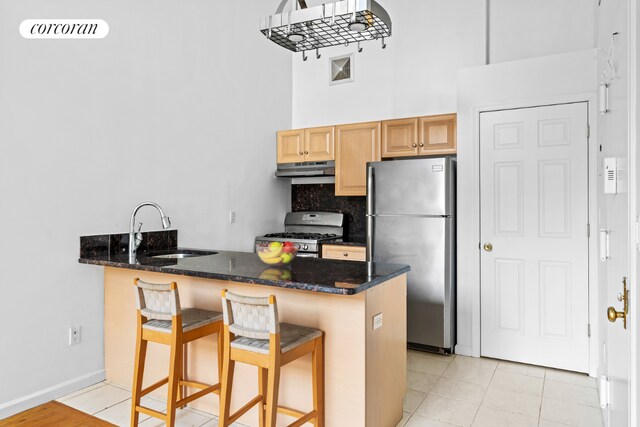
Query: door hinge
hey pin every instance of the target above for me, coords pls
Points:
(588, 230)
(589, 330)
(588, 131)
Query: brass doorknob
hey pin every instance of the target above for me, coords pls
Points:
(421, 144)
(614, 315)
(488, 247)
(414, 145)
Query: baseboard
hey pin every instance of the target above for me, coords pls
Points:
(48, 394)
(464, 350)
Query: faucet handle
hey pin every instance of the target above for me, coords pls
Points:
(138, 237)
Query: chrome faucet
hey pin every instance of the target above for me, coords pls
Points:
(135, 238)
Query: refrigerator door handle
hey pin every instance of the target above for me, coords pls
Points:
(370, 224)
(370, 189)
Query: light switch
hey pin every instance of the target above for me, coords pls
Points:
(377, 321)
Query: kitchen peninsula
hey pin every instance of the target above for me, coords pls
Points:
(365, 368)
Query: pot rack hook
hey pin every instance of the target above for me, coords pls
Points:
(318, 53)
(333, 14)
(304, 55)
(359, 48)
(384, 45)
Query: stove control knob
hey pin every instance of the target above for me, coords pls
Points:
(305, 247)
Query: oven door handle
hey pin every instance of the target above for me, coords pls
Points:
(308, 255)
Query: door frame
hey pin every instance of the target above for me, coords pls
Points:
(634, 210)
(474, 264)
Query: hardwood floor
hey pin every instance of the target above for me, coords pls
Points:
(54, 414)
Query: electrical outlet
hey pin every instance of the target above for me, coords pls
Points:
(377, 321)
(232, 217)
(74, 335)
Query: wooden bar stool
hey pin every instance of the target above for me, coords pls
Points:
(162, 320)
(253, 335)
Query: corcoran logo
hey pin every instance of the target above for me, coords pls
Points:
(64, 29)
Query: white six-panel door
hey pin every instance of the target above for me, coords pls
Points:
(534, 214)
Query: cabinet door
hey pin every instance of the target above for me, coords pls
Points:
(290, 146)
(355, 146)
(318, 144)
(400, 138)
(346, 253)
(437, 135)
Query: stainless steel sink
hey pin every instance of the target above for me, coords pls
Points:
(180, 255)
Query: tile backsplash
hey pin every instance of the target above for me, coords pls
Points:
(321, 197)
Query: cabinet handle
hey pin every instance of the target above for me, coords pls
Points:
(300, 153)
(306, 152)
(421, 144)
(414, 145)
(346, 254)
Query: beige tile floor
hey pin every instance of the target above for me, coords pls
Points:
(442, 391)
(445, 391)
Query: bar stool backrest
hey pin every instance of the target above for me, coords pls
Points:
(251, 317)
(159, 301)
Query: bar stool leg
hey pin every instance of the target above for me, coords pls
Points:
(273, 386)
(318, 381)
(228, 366)
(182, 390)
(175, 367)
(220, 350)
(262, 389)
(138, 374)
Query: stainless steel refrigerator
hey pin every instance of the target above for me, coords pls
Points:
(411, 220)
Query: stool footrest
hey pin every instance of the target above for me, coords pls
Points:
(151, 412)
(240, 412)
(194, 396)
(307, 417)
(194, 384)
(301, 416)
(154, 386)
(291, 412)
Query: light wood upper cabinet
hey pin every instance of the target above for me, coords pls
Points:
(318, 144)
(355, 146)
(423, 136)
(306, 145)
(290, 147)
(399, 137)
(437, 135)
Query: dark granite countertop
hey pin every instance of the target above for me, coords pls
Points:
(309, 274)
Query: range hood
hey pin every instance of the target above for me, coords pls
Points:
(306, 28)
(306, 169)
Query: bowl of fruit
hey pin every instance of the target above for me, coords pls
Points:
(276, 253)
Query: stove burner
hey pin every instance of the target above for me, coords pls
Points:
(308, 236)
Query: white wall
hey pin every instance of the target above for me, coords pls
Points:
(521, 29)
(414, 75)
(537, 81)
(178, 105)
(431, 40)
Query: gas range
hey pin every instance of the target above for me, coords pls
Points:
(308, 230)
